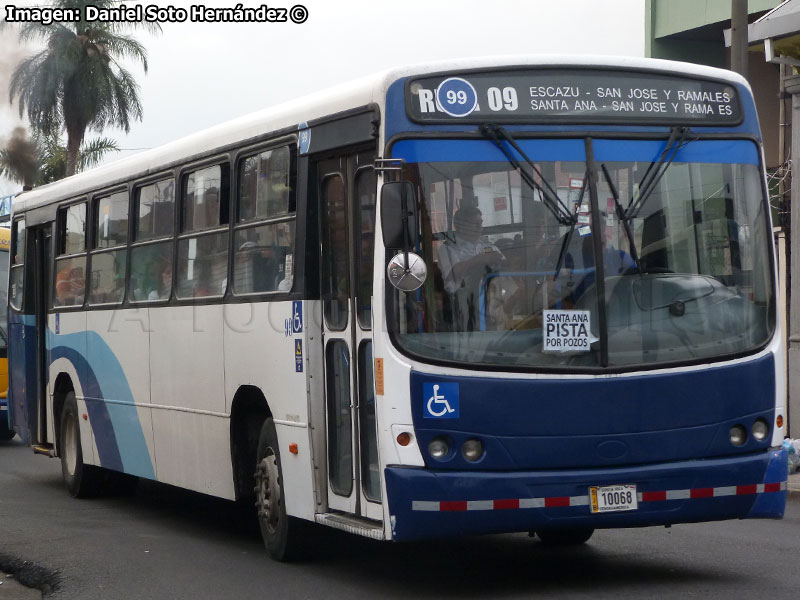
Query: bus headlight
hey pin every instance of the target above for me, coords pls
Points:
(738, 435)
(472, 450)
(760, 430)
(439, 448)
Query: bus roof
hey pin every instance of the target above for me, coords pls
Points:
(353, 94)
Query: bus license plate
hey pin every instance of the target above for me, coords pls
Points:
(613, 498)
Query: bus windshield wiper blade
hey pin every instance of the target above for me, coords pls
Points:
(656, 170)
(622, 217)
(498, 135)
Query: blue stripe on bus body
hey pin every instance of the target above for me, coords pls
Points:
(118, 432)
(702, 151)
(415, 151)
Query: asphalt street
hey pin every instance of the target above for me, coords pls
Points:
(162, 542)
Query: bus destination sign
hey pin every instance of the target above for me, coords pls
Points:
(573, 95)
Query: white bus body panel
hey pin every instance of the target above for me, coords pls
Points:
(190, 424)
(260, 352)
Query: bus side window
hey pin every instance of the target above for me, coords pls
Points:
(203, 242)
(70, 279)
(151, 250)
(264, 236)
(109, 255)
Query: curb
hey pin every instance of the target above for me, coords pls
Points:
(793, 485)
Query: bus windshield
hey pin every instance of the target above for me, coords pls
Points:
(685, 264)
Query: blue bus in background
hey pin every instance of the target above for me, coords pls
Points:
(533, 294)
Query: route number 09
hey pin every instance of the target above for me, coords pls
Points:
(502, 99)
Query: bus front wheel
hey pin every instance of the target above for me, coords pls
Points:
(81, 480)
(278, 530)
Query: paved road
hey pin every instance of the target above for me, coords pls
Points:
(164, 543)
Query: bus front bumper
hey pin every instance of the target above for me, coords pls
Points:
(425, 503)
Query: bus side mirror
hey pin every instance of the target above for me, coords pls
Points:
(399, 215)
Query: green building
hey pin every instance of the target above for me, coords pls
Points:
(693, 31)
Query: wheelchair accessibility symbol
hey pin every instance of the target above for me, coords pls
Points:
(441, 401)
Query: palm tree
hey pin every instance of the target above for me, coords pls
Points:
(76, 83)
(53, 157)
(19, 160)
(39, 160)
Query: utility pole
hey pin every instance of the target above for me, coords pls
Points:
(739, 39)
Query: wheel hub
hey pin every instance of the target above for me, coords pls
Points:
(268, 492)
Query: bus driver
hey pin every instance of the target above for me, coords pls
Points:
(464, 261)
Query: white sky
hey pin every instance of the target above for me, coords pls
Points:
(201, 74)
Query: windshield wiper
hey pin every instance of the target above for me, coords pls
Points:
(656, 171)
(498, 135)
(621, 216)
(568, 237)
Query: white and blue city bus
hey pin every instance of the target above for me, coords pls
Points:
(561, 315)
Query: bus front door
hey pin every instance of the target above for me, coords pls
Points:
(347, 190)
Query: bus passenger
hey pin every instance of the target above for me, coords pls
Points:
(467, 255)
(70, 285)
(165, 283)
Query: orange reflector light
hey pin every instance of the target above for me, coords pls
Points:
(293, 448)
(779, 421)
(404, 439)
(85, 417)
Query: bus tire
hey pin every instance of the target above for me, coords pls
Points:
(565, 537)
(80, 479)
(279, 531)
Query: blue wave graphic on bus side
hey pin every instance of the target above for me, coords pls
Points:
(118, 432)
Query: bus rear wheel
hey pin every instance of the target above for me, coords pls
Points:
(80, 479)
(279, 531)
(565, 537)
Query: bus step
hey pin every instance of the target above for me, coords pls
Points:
(46, 449)
(350, 524)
